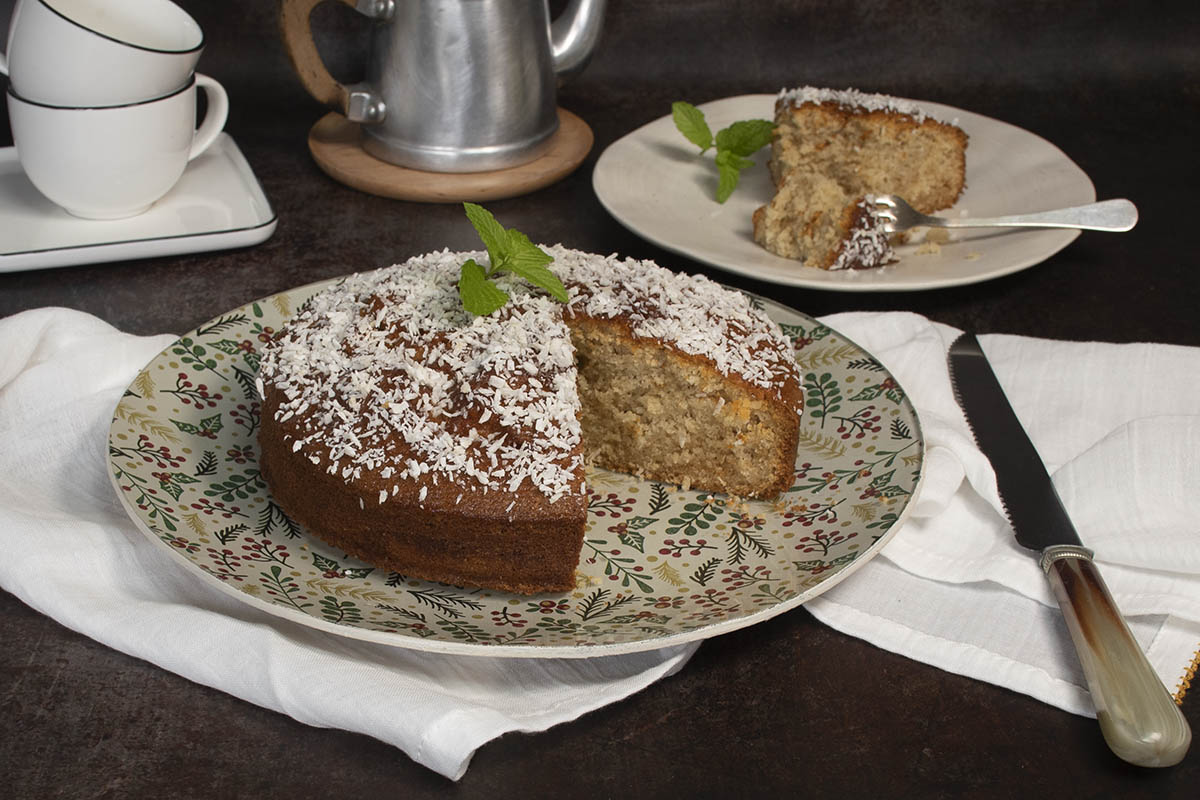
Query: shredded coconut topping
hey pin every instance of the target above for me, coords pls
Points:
(851, 98)
(385, 372)
(867, 244)
(690, 313)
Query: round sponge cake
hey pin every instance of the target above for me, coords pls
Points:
(417, 437)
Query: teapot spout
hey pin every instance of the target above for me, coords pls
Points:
(573, 36)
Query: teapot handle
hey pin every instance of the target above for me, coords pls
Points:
(294, 25)
(360, 103)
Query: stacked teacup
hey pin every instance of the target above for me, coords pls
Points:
(102, 101)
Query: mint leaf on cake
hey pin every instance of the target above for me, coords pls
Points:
(491, 233)
(479, 295)
(508, 250)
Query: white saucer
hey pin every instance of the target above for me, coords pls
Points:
(217, 204)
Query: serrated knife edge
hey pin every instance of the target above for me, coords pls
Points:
(1026, 491)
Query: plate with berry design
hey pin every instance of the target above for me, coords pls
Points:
(656, 184)
(660, 565)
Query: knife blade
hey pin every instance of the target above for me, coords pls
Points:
(1139, 719)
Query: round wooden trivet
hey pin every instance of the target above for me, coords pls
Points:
(334, 143)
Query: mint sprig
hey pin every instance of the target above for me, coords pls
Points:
(735, 144)
(508, 250)
(691, 123)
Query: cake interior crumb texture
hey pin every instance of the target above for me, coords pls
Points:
(647, 411)
(801, 221)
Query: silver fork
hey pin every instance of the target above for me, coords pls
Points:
(1107, 215)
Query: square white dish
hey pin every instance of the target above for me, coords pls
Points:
(217, 204)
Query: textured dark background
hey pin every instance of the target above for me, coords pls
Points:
(787, 707)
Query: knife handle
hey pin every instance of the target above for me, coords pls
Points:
(1139, 719)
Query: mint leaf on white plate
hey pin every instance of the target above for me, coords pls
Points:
(691, 123)
(734, 143)
(747, 137)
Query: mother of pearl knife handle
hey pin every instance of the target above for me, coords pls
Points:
(1139, 719)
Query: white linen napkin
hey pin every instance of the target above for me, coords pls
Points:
(1118, 427)
(71, 552)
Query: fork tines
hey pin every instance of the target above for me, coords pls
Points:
(882, 208)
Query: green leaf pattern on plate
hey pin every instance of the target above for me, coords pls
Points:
(659, 565)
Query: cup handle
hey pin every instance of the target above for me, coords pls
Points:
(296, 29)
(214, 116)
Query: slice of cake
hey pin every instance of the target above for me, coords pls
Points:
(832, 150)
(404, 431)
(816, 219)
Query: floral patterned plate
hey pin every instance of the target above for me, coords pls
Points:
(660, 566)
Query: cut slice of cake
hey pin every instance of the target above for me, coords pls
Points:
(404, 431)
(832, 149)
(680, 379)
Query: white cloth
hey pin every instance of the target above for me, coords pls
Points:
(1118, 427)
(69, 551)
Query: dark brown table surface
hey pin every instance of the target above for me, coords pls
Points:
(785, 708)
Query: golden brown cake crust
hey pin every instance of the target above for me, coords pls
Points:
(540, 542)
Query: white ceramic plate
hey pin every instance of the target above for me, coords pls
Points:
(656, 184)
(217, 204)
(660, 566)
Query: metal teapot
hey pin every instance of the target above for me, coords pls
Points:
(452, 85)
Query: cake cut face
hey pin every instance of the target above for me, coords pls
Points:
(418, 438)
(835, 149)
(653, 413)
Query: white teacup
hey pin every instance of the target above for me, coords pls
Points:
(114, 161)
(99, 52)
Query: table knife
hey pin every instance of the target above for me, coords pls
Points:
(1140, 721)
